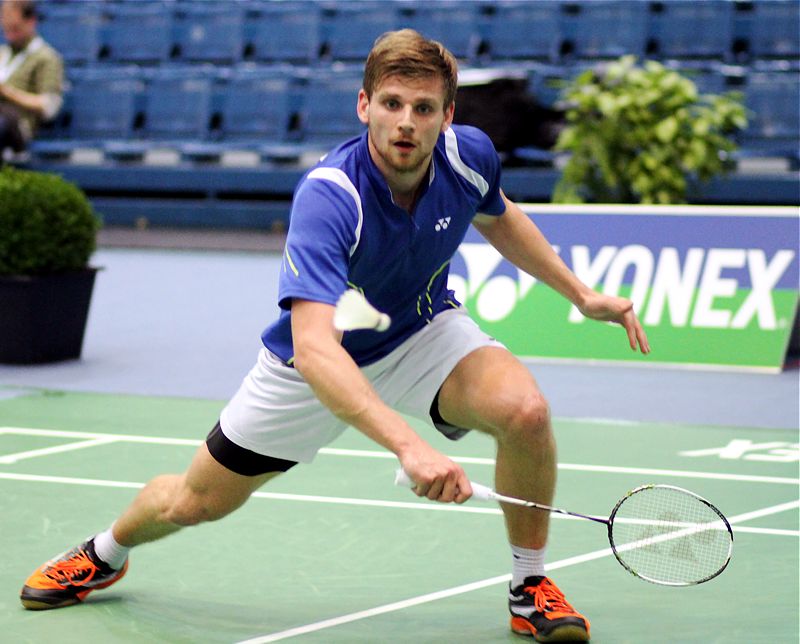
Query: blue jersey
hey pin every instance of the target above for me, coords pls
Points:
(346, 232)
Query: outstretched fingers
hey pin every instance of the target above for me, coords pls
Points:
(637, 337)
(617, 310)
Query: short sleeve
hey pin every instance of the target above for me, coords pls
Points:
(322, 230)
(49, 76)
(472, 152)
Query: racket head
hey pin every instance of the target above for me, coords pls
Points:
(670, 536)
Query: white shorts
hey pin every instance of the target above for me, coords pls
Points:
(275, 413)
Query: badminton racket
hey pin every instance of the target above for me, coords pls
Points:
(353, 311)
(660, 533)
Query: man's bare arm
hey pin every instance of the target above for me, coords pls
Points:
(340, 386)
(519, 240)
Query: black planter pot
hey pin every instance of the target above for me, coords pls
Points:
(43, 317)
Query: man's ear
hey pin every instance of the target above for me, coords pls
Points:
(449, 113)
(362, 109)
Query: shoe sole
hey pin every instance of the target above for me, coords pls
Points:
(565, 633)
(38, 603)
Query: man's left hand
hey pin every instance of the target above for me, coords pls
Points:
(619, 310)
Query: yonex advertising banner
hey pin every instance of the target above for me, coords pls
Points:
(713, 286)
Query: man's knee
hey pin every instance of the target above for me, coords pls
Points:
(10, 136)
(529, 419)
(5, 133)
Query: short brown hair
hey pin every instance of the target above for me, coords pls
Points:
(26, 8)
(408, 53)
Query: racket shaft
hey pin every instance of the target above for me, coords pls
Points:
(539, 506)
(484, 493)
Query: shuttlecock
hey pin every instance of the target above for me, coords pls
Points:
(354, 312)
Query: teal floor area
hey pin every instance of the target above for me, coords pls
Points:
(334, 552)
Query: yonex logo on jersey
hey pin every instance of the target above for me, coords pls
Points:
(442, 224)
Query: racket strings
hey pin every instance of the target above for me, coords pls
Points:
(670, 536)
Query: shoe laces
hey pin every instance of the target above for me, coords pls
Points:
(75, 568)
(548, 598)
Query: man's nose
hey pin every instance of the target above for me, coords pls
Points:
(406, 122)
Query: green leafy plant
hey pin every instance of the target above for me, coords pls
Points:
(643, 134)
(47, 224)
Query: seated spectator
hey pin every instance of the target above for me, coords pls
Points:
(31, 77)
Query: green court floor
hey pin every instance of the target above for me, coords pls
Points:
(335, 553)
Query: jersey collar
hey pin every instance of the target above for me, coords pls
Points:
(376, 177)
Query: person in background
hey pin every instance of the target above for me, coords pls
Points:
(31, 77)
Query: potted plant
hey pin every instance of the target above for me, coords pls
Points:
(643, 134)
(48, 231)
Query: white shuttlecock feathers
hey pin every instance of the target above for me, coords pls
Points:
(354, 312)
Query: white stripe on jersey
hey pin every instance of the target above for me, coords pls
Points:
(451, 147)
(334, 175)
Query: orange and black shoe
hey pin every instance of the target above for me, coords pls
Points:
(538, 608)
(68, 579)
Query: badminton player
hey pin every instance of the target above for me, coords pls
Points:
(383, 213)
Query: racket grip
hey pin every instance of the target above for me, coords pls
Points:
(479, 492)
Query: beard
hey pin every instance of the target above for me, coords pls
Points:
(393, 159)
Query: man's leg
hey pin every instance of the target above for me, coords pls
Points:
(491, 391)
(207, 491)
(10, 133)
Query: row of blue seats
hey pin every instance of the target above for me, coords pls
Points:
(123, 111)
(227, 31)
(283, 110)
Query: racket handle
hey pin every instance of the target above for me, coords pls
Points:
(479, 492)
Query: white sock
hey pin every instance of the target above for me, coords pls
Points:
(526, 563)
(107, 549)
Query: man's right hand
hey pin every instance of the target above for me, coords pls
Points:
(435, 476)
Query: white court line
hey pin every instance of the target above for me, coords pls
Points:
(428, 506)
(718, 476)
(330, 451)
(122, 438)
(466, 588)
(7, 459)
(68, 480)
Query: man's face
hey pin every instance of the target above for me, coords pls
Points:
(405, 117)
(17, 29)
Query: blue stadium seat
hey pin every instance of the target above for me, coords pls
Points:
(328, 101)
(350, 29)
(603, 28)
(451, 22)
(209, 31)
(691, 29)
(73, 29)
(283, 31)
(256, 109)
(773, 99)
(105, 104)
(256, 105)
(101, 106)
(775, 29)
(178, 104)
(521, 29)
(139, 32)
